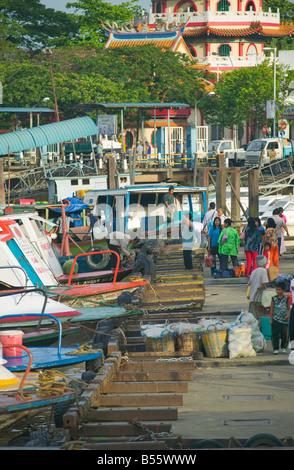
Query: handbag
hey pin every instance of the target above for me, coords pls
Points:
(242, 235)
(209, 261)
(224, 238)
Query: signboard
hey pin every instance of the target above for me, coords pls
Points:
(106, 124)
(283, 125)
(270, 109)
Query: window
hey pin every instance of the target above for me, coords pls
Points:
(223, 5)
(86, 181)
(74, 182)
(250, 6)
(184, 6)
(158, 8)
(226, 146)
(224, 50)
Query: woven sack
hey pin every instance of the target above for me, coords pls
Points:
(215, 342)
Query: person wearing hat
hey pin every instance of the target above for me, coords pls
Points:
(257, 283)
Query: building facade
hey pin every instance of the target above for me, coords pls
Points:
(225, 34)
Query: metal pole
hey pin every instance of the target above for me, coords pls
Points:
(275, 86)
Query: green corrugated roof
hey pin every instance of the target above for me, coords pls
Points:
(13, 109)
(48, 134)
(133, 105)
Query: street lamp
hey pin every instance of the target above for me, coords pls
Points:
(275, 84)
(227, 56)
(38, 115)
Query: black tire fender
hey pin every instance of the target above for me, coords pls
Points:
(263, 440)
(207, 444)
(93, 263)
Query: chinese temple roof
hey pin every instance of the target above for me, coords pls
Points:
(164, 36)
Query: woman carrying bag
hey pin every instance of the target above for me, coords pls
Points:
(212, 238)
(228, 243)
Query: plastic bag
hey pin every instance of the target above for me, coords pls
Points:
(267, 297)
(257, 339)
(239, 342)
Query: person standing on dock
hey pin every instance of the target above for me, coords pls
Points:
(228, 243)
(221, 215)
(188, 240)
(280, 224)
(207, 221)
(271, 236)
(252, 245)
(280, 314)
(212, 247)
(257, 283)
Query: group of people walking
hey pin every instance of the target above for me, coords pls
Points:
(223, 240)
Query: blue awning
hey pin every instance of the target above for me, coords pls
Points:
(54, 133)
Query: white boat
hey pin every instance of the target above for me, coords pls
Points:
(14, 305)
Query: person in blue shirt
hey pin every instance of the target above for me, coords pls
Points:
(212, 238)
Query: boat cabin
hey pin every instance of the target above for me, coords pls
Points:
(141, 206)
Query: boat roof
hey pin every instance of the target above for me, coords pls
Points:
(148, 188)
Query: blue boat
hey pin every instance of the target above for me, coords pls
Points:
(50, 357)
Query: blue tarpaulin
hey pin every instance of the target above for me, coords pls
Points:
(76, 205)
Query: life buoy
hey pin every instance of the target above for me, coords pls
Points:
(100, 261)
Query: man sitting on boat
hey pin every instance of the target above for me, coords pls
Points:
(120, 243)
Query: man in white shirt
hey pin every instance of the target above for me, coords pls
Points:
(257, 282)
(209, 216)
(207, 219)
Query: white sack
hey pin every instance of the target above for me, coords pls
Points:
(239, 342)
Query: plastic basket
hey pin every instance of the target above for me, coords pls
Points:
(215, 342)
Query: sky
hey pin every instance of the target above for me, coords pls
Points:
(60, 4)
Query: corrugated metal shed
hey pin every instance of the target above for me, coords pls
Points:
(48, 134)
(134, 105)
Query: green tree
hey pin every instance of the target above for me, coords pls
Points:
(241, 96)
(31, 25)
(90, 13)
(83, 75)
